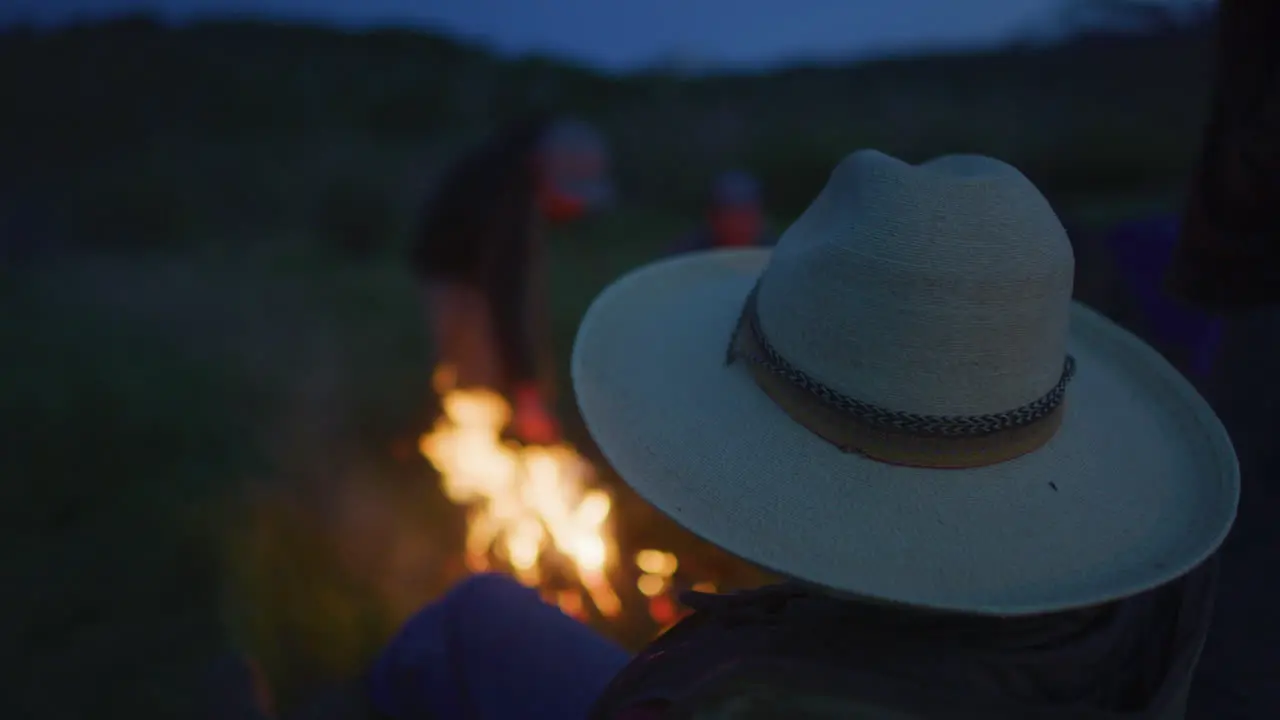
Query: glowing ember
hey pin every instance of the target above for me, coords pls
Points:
(664, 612)
(659, 568)
(656, 562)
(651, 585)
(521, 499)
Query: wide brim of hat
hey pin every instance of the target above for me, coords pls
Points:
(1138, 486)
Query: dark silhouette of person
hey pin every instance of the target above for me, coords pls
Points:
(1228, 261)
(479, 254)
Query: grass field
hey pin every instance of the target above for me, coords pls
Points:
(174, 415)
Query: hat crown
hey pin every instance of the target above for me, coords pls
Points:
(940, 289)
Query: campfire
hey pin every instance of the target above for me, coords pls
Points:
(534, 511)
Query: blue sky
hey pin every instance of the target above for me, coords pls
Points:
(623, 34)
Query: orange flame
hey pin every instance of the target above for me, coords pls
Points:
(522, 500)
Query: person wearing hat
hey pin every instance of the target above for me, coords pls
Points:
(990, 501)
(479, 255)
(734, 216)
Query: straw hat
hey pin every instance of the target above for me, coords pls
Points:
(902, 403)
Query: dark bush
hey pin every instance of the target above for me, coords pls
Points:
(356, 218)
(135, 214)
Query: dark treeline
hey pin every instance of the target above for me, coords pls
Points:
(1096, 115)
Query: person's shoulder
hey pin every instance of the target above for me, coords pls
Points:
(469, 171)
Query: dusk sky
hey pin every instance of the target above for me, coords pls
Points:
(622, 34)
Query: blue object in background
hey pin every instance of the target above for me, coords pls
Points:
(491, 649)
(735, 188)
(1143, 250)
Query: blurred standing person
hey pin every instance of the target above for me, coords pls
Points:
(734, 216)
(1228, 260)
(480, 256)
